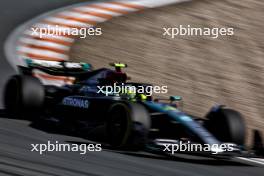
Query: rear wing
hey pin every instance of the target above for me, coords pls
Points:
(55, 73)
(64, 68)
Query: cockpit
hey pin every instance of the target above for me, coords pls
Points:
(105, 76)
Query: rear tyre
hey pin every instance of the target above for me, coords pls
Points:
(227, 125)
(128, 126)
(23, 95)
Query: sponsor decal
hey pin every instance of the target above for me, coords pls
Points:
(76, 102)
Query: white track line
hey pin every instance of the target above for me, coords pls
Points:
(44, 43)
(50, 26)
(116, 7)
(42, 52)
(254, 160)
(154, 3)
(82, 16)
(92, 9)
(68, 22)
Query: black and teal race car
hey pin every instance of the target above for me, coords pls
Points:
(124, 120)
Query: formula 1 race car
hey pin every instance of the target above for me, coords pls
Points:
(75, 95)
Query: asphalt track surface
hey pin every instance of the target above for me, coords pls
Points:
(16, 135)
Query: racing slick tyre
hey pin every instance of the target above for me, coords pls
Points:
(128, 126)
(227, 125)
(23, 95)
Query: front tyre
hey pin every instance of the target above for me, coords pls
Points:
(227, 125)
(128, 126)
